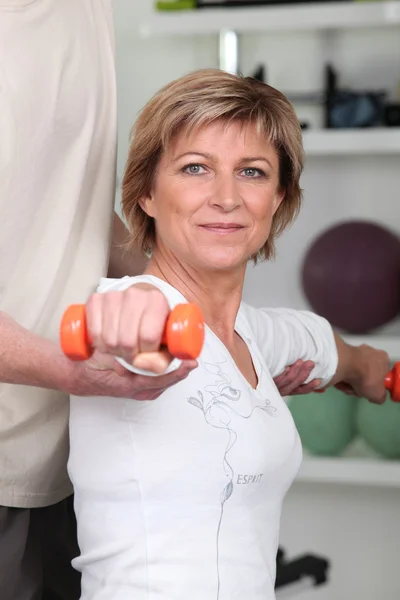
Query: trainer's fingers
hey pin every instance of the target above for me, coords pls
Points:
(146, 387)
(295, 374)
(306, 388)
(294, 377)
(284, 380)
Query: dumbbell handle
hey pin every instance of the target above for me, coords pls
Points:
(183, 334)
(392, 382)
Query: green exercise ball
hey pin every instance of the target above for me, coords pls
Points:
(379, 426)
(325, 422)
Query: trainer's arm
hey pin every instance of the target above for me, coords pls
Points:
(28, 359)
(122, 262)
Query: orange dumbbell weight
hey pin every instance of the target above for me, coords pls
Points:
(183, 333)
(392, 382)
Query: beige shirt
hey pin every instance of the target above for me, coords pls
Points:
(57, 187)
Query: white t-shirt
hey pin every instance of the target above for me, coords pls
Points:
(57, 187)
(179, 498)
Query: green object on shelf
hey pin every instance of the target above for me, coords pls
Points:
(176, 5)
(379, 426)
(325, 422)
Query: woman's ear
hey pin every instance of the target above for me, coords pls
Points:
(279, 196)
(146, 203)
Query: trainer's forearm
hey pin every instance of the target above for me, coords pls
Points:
(28, 359)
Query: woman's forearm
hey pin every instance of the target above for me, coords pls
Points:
(349, 361)
(361, 370)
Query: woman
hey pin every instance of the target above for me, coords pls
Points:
(179, 498)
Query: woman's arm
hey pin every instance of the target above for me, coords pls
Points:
(289, 337)
(361, 371)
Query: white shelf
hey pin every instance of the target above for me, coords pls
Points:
(272, 18)
(358, 466)
(352, 142)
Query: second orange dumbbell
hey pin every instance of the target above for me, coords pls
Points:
(392, 382)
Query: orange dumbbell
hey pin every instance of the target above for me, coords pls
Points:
(392, 382)
(183, 333)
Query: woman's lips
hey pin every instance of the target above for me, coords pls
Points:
(223, 228)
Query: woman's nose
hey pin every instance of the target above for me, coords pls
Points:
(226, 194)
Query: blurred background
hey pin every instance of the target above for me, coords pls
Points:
(339, 63)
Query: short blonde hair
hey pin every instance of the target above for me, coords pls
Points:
(198, 99)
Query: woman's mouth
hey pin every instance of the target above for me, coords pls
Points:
(222, 228)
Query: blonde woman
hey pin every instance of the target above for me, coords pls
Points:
(179, 498)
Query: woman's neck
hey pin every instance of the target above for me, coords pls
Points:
(218, 293)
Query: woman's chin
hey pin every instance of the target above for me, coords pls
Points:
(222, 261)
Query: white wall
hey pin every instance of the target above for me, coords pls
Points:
(358, 529)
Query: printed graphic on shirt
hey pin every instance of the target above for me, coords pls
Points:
(219, 405)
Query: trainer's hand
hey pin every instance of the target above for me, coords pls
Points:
(129, 324)
(102, 375)
(291, 381)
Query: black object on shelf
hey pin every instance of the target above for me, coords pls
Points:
(342, 108)
(392, 114)
(293, 571)
(260, 75)
(349, 109)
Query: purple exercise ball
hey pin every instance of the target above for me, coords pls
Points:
(351, 276)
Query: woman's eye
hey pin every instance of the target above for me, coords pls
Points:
(252, 172)
(194, 169)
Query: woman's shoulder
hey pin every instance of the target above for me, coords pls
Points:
(268, 320)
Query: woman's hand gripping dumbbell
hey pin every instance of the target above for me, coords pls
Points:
(137, 327)
(391, 384)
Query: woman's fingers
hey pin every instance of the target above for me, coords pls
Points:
(94, 321)
(157, 362)
(130, 323)
(111, 313)
(152, 322)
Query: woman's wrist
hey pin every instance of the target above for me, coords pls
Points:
(351, 363)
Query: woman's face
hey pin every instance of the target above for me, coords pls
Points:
(215, 193)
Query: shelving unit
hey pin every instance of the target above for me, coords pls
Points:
(343, 142)
(271, 18)
(357, 466)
